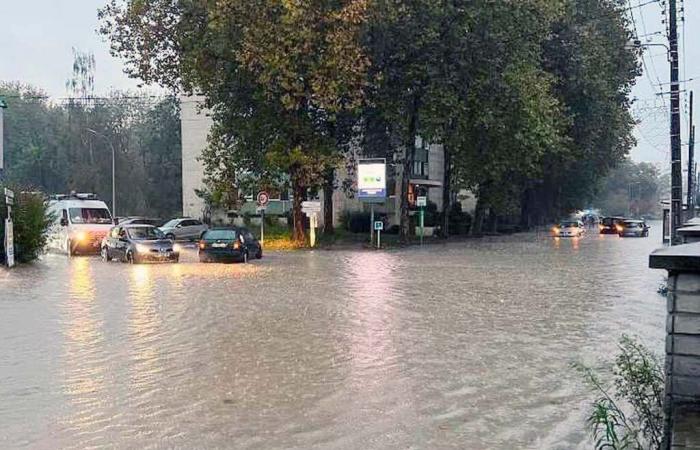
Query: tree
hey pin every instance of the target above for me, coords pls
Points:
(275, 76)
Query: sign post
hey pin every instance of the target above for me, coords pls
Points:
(9, 235)
(421, 202)
(378, 226)
(311, 209)
(263, 200)
(371, 186)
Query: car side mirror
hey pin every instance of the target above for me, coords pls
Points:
(64, 222)
(179, 225)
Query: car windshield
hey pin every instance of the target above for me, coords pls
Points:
(170, 223)
(220, 234)
(144, 233)
(89, 215)
(569, 225)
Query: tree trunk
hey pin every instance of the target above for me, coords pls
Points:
(328, 202)
(446, 193)
(409, 156)
(298, 233)
(478, 222)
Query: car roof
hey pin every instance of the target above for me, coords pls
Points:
(137, 225)
(634, 220)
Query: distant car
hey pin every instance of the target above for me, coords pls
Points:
(633, 228)
(135, 243)
(232, 244)
(569, 228)
(140, 221)
(184, 229)
(608, 225)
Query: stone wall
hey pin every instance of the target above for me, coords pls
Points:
(682, 367)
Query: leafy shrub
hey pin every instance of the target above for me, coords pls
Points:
(638, 384)
(30, 225)
(460, 221)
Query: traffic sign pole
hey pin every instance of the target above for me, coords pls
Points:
(422, 230)
(371, 221)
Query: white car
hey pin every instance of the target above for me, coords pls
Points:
(570, 228)
(184, 228)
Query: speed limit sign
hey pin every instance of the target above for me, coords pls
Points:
(263, 198)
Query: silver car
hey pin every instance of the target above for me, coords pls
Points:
(184, 228)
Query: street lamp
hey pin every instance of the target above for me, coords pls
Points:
(3, 105)
(114, 201)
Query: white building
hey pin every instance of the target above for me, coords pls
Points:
(427, 170)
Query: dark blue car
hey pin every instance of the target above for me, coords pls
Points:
(231, 244)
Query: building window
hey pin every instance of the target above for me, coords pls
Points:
(419, 168)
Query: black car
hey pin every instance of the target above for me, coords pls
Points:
(229, 244)
(609, 225)
(135, 243)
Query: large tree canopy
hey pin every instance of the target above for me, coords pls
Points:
(529, 98)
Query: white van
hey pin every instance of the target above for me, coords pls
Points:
(80, 223)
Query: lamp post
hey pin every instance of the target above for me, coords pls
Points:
(3, 105)
(114, 196)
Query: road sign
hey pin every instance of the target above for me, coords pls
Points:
(263, 198)
(9, 197)
(310, 208)
(378, 225)
(371, 180)
(421, 201)
(9, 244)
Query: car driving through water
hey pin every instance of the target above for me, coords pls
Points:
(632, 228)
(233, 244)
(139, 243)
(569, 228)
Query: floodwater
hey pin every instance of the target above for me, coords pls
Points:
(464, 346)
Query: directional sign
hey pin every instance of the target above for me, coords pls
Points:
(421, 201)
(9, 197)
(263, 198)
(378, 225)
(310, 208)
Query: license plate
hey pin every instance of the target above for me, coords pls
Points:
(218, 245)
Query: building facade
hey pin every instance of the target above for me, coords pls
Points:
(427, 171)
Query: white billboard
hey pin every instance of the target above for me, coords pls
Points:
(371, 179)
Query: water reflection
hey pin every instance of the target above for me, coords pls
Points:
(84, 360)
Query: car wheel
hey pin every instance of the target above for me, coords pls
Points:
(130, 258)
(259, 254)
(170, 236)
(105, 254)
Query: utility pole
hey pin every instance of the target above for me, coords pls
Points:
(691, 165)
(676, 170)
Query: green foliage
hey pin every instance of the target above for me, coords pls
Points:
(529, 98)
(49, 146)
(30, 224)
(637, 386)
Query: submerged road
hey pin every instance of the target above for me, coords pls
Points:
(467, 345)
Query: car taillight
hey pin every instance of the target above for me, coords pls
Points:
(202, 244)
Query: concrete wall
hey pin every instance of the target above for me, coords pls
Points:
(195, 129)
(683, 338)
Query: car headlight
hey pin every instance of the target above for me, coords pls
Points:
(177, 248)
(141, 248)
(81, 236)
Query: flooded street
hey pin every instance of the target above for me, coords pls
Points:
(467, 345)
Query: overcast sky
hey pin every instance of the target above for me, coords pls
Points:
(36, 38)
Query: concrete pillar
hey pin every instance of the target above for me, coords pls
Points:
(682, 367)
